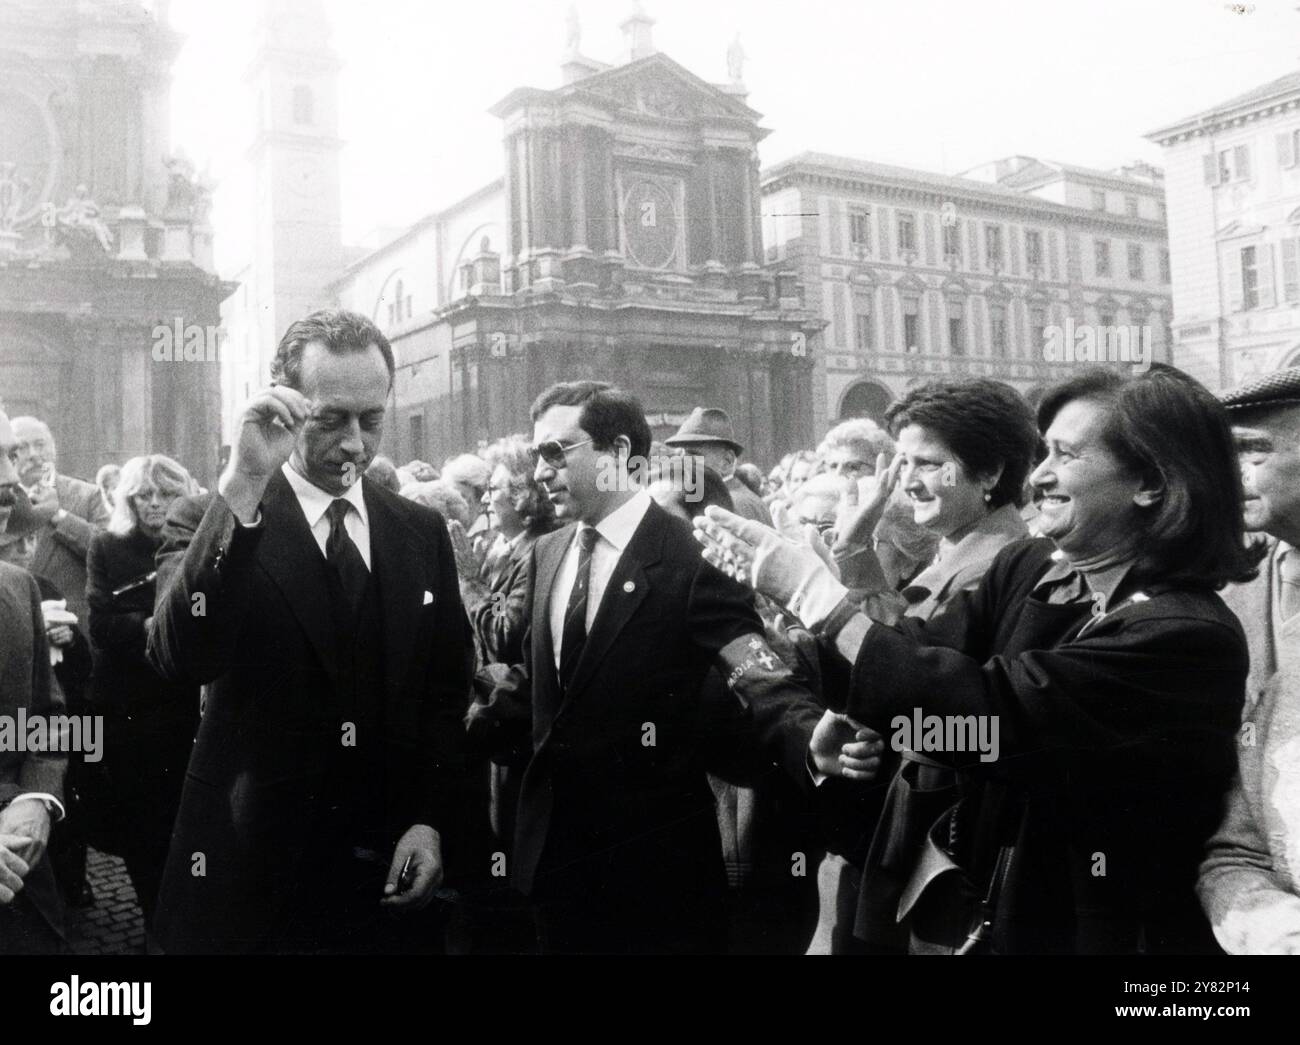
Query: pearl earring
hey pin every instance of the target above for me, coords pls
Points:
(988, 496)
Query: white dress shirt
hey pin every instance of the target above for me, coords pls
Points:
(315, 503)
(612, 536)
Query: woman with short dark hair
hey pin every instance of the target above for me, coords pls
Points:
(1104, 679)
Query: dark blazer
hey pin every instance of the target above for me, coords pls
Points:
(61, 548)
(1116, 750)
(499, 620)
(26, 682)
(149, 721)
(246, 611)
(602, 812)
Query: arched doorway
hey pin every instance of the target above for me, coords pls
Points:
(865, 399)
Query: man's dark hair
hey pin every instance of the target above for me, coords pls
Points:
(607, 413)
(984, 422)
(1166, 428)
(338, 330)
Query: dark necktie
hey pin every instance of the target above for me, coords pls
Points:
(344, 556)
(574, 635)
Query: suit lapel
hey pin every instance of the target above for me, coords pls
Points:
(625, 591)
(401, 585)
(289, 553)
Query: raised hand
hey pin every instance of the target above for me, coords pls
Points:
(864, 502)
(268, 430)
(755, 554)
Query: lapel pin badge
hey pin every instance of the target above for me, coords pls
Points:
(629, 587)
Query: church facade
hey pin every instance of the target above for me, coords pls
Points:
(622, 242)
(105, 248)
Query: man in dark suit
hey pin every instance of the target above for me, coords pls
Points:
(67, 512)
(323, 615)
(616, 839)
(31, 783)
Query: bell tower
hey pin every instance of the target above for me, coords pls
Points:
(296, 235)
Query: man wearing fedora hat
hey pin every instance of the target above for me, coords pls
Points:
(708, 435)
(1250, 880)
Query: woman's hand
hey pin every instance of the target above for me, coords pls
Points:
(863, 504)
(466, 563)
(791, 573)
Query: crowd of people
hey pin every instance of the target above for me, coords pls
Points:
(999, 675)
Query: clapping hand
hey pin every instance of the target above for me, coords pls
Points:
(758, 556)
(864, 502)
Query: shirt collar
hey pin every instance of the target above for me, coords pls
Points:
(619, 525)
(315, 501)
(1107, 581)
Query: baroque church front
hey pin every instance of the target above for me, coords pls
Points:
(623, 242)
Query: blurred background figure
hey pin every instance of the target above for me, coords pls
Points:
(107, 479)
(707, 434)
(68, 511)
(469, 474)
(384, 472)
(803, 465)
(850, 448)
(131, 797)
(518, 512)
(752, 477)
(815, 503)
(421, 471)
(443, 496)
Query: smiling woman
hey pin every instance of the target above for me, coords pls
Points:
(1114, 671)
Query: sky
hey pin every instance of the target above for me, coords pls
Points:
(937, 84)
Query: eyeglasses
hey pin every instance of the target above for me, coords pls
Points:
(552, 451)
(824, 526)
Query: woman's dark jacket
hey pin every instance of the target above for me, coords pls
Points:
(1116, 749)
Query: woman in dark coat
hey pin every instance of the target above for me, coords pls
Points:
(149, 723)
(1087, 692)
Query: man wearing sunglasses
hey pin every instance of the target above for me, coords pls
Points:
(616, 841)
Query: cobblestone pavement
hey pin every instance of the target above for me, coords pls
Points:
(114, 924)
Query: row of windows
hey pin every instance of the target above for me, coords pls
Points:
(860, 239)
(1130, 203)
(866, 334)
(994, 249)
(1136, 265)
(1233, 164)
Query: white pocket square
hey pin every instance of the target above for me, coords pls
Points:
(428, 598)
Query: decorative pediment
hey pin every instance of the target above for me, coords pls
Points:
(1239, 230)
(955, 286)
(997, 292)
(658, 86)
(910, 282)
